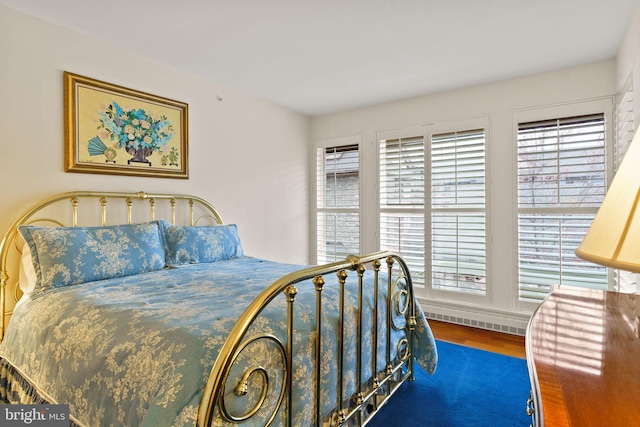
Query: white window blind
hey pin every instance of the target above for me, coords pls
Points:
(458, 230)
(402, 201)
(338, 202)
(624, 122)
(561, 183)
(402, 173)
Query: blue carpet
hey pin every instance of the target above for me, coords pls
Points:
(470, 387)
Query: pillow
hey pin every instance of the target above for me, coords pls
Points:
(65, 256)
(194, 245)
(27, 276)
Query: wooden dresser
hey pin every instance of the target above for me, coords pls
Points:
(583, 353)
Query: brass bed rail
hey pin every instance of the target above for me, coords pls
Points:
(371, 393)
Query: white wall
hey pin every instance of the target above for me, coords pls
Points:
(499, 102)
(246, 156)
(628, 61)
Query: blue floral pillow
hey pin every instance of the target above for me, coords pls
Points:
(65, 256)
(194, 245)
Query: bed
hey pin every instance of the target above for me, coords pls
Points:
(143, 310)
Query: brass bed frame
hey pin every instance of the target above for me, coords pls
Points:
(357, 409)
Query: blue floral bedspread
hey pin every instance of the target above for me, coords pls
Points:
(137, 350)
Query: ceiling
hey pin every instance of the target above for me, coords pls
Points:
(323, 56)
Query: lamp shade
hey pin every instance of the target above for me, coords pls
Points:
(613, 240)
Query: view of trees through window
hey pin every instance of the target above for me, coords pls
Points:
(561, 183)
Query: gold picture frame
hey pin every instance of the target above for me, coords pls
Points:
(110, 129)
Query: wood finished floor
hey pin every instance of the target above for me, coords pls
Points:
(497, 342)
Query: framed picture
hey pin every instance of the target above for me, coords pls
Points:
(110, 129)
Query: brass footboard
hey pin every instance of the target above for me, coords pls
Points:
(370, 393)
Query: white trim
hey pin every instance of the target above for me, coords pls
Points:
(408, 132)
(337, 142)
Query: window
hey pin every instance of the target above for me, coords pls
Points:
(338, 201)
(561, 183)
(447, 193)
(402, 201)
(458, 235)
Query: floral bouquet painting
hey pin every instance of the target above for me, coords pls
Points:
(114, 130)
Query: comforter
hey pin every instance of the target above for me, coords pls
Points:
(138, 350)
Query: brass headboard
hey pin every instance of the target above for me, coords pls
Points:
(98, 208)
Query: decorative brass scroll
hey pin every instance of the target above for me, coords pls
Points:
(242, 387)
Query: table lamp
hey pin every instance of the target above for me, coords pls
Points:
(613, 240)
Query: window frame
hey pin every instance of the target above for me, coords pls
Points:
(404, 133)
(427, 131)
(594, 106)
(462, 125)
(355, 140)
